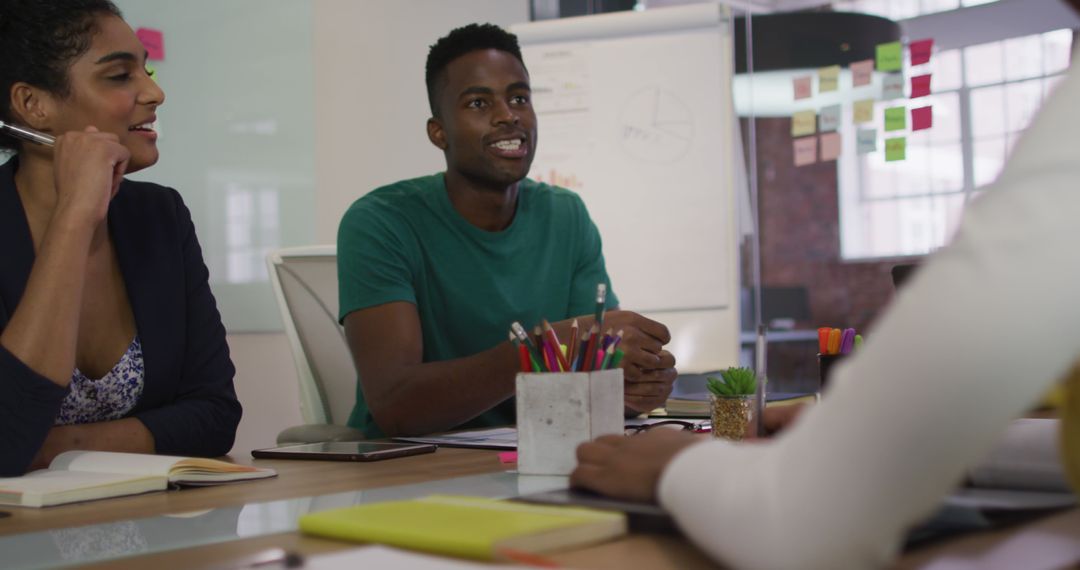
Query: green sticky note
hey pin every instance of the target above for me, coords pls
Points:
(889, 56)
(895, 149)
(895, 119)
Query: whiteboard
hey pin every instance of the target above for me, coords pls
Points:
(635, 115)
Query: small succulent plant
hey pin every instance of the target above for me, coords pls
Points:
(733, 383)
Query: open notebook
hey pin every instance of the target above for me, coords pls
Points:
(88, 475)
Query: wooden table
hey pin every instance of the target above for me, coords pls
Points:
(308, 478)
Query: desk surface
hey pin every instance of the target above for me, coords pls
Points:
(309, 478)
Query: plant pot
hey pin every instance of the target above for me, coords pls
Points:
(731, 415)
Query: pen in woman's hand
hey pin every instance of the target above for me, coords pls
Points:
(27, 134)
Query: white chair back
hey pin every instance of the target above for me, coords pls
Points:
(306, 288)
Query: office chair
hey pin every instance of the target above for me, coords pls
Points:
(306, 289)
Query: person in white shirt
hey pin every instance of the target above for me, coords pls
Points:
(984, 328)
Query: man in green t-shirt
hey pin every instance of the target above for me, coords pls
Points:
(433, 270)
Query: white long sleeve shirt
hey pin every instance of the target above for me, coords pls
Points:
(984, 328)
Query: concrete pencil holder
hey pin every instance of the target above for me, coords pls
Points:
(557, 411)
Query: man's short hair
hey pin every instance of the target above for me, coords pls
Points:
(461, 41)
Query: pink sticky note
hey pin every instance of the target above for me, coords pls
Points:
(830, 146)
(805, 151)
(861, 72)
(920, 51)
(803, 89)
(922, 118)
(154, 42)
(508, 457)
(920, 86)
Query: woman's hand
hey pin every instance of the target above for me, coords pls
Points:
(87, 169)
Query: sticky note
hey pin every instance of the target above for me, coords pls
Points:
(920, 51)
(829, 119)
(864, 111)
(828, 78)
(866, 141)
(802, 85)
(154, 42)
(805, 151)
(862, 72)
(830, 146)
(895, 118)
(922, 118)
(895, 149)
(892, 86)
(920, 86)
(803, 123)
(888, 56)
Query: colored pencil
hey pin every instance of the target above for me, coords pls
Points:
(523, 338)
(590, 348)
(616, 360)
(579, 358)
(571, 345)
(553, 339)
(601, 300)
(608, 355)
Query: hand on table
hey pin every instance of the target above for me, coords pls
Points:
(628, 467)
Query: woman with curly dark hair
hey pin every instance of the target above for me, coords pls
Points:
(111, 339)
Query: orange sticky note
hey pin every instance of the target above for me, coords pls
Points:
(805, 150)
(920, 51)
(920, 86)
(830, 146)
(802, 86)
(154, 42)
(861, 72)
(922, 118)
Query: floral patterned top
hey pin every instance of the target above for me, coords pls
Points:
(109, 398)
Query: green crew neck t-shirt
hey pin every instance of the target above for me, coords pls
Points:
(406, 242)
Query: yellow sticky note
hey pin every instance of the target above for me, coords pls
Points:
(864, 111)
(895, 118)
(803, 123)
(828, 78)
(895, 149)
(889, 56)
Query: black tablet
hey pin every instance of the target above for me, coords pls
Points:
(345, 451)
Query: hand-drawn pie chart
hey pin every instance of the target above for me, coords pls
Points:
(656, 126)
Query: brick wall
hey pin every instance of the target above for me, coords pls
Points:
(800, 246)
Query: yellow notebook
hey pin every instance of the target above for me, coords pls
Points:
(468, 527)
